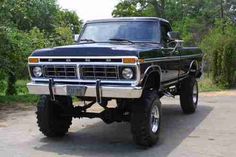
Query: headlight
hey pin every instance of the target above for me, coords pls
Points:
(37, 71)
(127, 73)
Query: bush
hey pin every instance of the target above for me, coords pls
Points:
(27, 25)
(220, 49)
(26, 99)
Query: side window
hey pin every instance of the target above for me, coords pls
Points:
(165, 28)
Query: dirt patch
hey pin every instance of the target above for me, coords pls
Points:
(6, 110)
(16, 107)
(221, 93)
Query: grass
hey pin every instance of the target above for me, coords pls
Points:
(25, 99)
(22, 96)
(206, 85)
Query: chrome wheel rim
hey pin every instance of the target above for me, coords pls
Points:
(195, 93)
(155, 116)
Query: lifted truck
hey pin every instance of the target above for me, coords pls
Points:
(135, 61)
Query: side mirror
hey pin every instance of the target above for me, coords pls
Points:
(76, 37)
(174, 36)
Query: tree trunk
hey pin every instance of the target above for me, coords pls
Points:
(159, 6)
(222, 15)
(163, 8)
(11, 84)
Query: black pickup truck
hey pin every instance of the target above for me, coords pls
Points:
(134, 61)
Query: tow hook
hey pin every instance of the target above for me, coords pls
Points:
(51, 86)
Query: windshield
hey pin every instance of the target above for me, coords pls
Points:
(137, 31)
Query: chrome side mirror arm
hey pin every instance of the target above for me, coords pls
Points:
(179, 44)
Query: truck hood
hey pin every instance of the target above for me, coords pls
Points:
(97, 49)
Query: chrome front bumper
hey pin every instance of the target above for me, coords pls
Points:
(89, 90)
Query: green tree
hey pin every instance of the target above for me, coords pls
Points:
(62, 36)
(220, 49)
(139, 8)
(26, 14)
(70, 20)
(127, 8)
(12, 43)
(194, 19)
(27, 25)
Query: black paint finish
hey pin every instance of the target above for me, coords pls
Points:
(171, 63)
(94, 49)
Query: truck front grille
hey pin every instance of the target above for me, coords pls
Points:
(60, 71)
(104, 72)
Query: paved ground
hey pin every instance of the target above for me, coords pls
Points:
(210, 132)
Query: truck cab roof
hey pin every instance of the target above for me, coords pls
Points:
(128, 19)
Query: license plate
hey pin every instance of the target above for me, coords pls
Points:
(76, 91)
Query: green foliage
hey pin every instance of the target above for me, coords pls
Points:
(21, 88)
(62, 36)
(207, 85)
(126, 9)
(26, 99)
(192, 30)
(25, 14)
(194, 19)
(22, 96)
(139, 8)
(27, 25)
(220, 49)
(11, 45)
(37, 39)
(69, 19)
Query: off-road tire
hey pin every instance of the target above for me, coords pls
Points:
(187, 101)
(50, 121)
(141, 127)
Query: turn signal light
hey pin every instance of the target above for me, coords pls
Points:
(141, 60)
(129, 60)
(33, 60)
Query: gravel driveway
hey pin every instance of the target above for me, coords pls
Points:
(210, 132)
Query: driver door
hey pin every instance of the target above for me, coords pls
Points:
(171, 59)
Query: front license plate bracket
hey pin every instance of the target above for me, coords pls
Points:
(76, 91)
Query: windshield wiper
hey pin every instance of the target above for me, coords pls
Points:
(87, 40)
(122, 40)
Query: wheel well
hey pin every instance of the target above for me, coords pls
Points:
(193, 67)
(152, 80)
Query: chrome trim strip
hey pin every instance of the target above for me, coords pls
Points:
(171, 58)
(58, 74)
(191, 64)
(132, 82)
(175, 81)
(83, 57)
(84, 63)
(152, 67)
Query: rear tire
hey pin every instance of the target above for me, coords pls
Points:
(189, 95)
(146, 119)
(50, 121)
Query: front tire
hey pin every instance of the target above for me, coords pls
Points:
(189, 95)
(50, 121)
(146, 119)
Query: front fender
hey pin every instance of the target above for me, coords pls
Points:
(152, 72)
